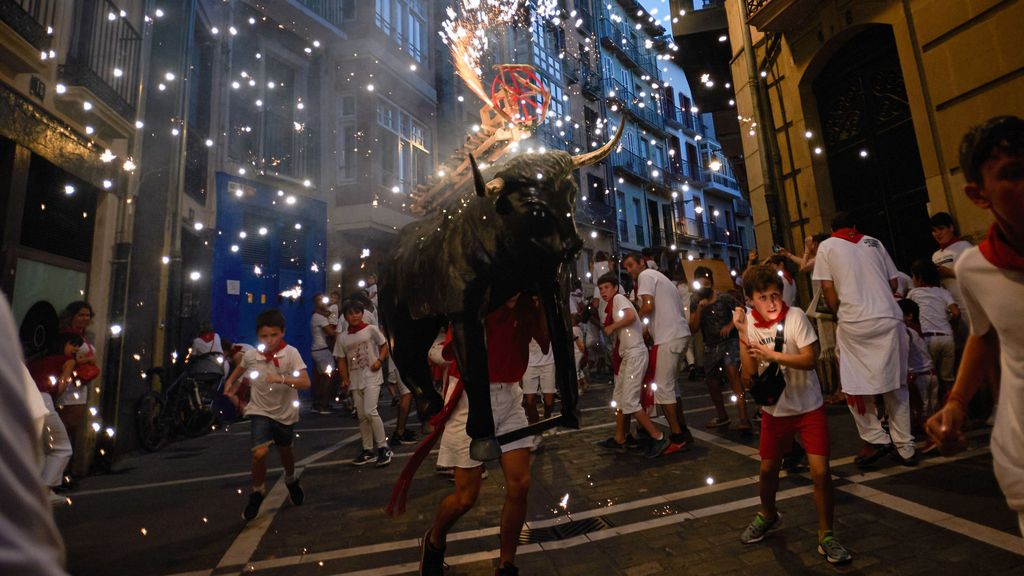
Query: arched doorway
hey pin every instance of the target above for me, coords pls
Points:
(873, 159)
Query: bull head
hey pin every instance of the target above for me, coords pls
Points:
(495, 186)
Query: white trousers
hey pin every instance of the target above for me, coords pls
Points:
(371, 427)
(56, 446)
(897, 405)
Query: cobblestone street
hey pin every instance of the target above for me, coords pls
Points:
(622, 514)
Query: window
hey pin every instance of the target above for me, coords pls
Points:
(348, 105)
(405, 148)
(668, 221)
(638, 222)
(347, 154)
(620, 199)
(595, 189)
(404, 21)
(348, 9)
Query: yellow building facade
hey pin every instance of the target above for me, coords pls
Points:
(863, 106)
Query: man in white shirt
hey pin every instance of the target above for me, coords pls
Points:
(858, 279)
(662, 314)
(951, 246)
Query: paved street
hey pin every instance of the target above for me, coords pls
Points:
(179, 511)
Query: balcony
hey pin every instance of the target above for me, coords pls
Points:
(289, 152)
(778, 15)
(104, 57)
(30, 19)
(590, 83)
(640, 58)
(596, 214)
(330, 10)
(623, 231)
(648, 115)
(572, 75)
(741, 208)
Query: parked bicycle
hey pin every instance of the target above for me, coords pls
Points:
(183, 408)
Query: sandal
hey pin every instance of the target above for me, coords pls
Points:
(717, 422)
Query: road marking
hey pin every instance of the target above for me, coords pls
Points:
(245, 544)
(944, 520)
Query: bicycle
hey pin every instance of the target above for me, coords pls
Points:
(183, 408)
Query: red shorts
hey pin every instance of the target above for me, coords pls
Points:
(777, 433)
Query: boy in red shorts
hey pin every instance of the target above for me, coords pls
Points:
(799, 408)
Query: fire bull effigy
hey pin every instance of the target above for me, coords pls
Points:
(514, 233)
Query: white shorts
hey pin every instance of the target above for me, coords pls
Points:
(507, 410)
(323, 359)
(629, 383)
(395, 378)
(666, 369)
(540, 378)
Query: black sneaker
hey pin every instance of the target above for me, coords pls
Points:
(612, 446)
(393, 441)
(383, 457)
(908, 462)
(507, 569)
(431, 559)
(408, 437)
(364, 458)
(253, 507)
(295, 492)
(870, 454)
(658, 446)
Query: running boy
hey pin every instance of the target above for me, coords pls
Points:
(991, 279)
(276, 373)
(629, 363)
(360, 351)
(799, 408)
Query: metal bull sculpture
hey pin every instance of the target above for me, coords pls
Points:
(516, 234)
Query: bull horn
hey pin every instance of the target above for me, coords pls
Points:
(581, 160)
(492, 188)
(478, 178)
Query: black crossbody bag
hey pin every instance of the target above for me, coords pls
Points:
(768, 385)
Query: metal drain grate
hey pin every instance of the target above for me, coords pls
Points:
(563, 531)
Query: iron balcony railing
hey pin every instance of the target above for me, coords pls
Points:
(644, 113)
(641, 58)
(590, 82)
(594, 213)
(754, 6)
(31, 19)
(104, 56)
(330, 10)
(289, 150)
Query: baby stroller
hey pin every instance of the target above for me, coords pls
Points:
(183, 408)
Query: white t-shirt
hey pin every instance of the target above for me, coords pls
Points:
(631, 337)
(948, 257)
(200, 346)
(538, 357)
(276, 401)
(802, 392)
(360, 351)
(903, 283)
(918, 359)
(861, 273)
(316, 326)
(668, 321)
(332, 314)
(788, 290)
(934, 303)
(995, 299)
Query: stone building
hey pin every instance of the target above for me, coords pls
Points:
(864, 106)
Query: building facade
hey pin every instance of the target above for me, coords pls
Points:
(70, 97)
(860, 106)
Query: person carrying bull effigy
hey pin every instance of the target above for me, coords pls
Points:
(509, 330)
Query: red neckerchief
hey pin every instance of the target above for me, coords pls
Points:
(787, 276)
(944, 245)
(848, 234)
(760, 322)
(353, 328)
(207, 337)
(999, 252)
(616, 359)
(271, 355)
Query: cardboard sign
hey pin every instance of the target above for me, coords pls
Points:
(723, 280)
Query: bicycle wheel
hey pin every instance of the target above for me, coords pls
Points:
(149, 422)
(196, 417)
